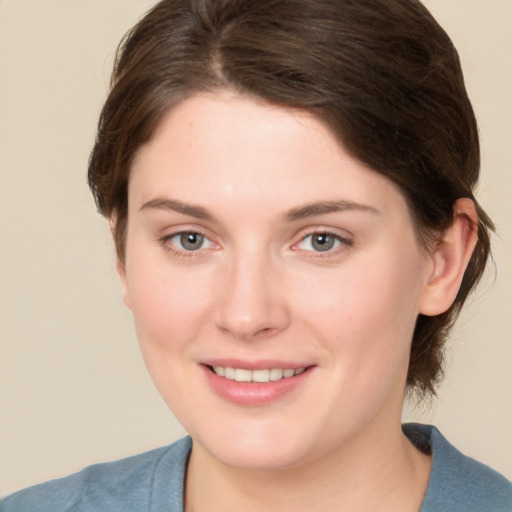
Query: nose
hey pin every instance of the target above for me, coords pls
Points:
(251, 302)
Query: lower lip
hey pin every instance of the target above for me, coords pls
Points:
(253, 393)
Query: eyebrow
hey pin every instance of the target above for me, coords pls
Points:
(171, 204)
(324, 207)
(301, 212)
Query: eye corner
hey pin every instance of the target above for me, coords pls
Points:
(188, 243)
(322, 243)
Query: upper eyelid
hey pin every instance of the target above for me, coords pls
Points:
(342, 234)
(204, 237)
(173, 234)
(182, 231)
(169, 231)
(342, 239)
(346, 243)
(168, 246)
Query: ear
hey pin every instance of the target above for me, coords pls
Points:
(121, 271)
(120, 263)
(450, 257)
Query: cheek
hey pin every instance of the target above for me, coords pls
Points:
(367, 310)
(167, 303)
(169, 306)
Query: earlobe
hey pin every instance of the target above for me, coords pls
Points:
(450, 257)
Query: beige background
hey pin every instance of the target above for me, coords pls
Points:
(73, 389)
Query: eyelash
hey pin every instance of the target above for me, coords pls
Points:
(344, 243)
(167, 244)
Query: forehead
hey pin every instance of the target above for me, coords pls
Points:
(225, 149)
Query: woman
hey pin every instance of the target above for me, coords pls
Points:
(290, 189)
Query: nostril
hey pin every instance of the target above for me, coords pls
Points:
(265, 330)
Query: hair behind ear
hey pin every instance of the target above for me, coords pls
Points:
(425, 365)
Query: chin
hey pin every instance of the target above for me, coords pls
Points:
(257, 447)
(250, 456)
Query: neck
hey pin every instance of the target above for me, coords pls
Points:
(375, 471)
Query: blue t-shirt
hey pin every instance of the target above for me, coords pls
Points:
(154, 482)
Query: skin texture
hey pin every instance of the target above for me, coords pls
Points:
(257, 290)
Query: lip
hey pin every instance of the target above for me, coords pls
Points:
(253, 394)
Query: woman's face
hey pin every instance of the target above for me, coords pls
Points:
(257, 248)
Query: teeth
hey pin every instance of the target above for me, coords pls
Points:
(242, 375)
(219, 370)
(276, 374)
(229, 373)
(260, 375)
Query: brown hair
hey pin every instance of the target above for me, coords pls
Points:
(382, 74)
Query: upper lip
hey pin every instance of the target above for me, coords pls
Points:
(262, 364)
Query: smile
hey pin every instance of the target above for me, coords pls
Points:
(260, 376)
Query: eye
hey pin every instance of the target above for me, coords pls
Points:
(322, 242)
(189, 241)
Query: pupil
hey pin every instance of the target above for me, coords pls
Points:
(191, 241)
(323, 242)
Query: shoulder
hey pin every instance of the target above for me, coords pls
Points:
(127, 484)
(458, 483)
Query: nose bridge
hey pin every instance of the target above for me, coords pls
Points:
(251, 303)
